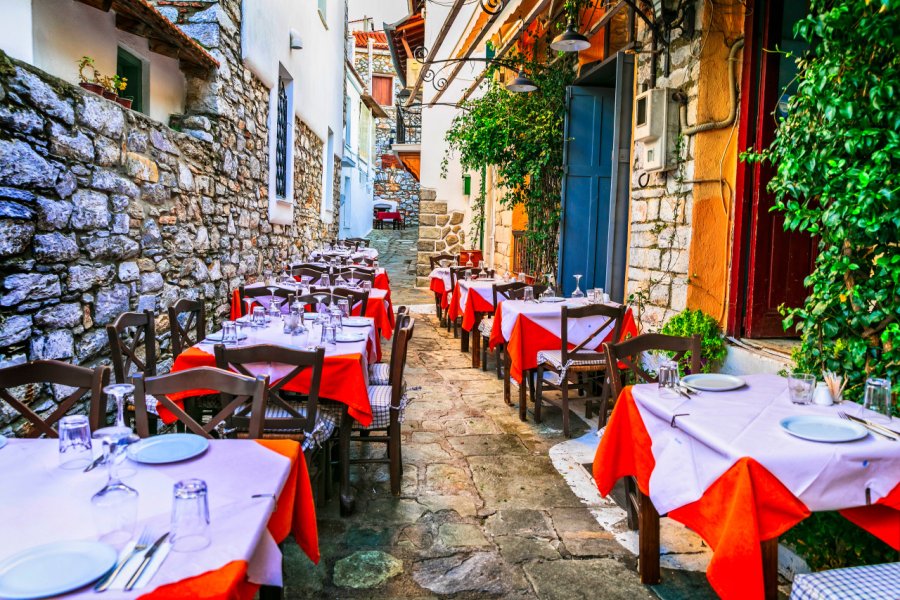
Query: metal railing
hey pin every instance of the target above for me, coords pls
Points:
(409, 125)
(530, 257)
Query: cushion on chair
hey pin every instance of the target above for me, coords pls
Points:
(326, 421)
(486, 326)
(380, 374)
(380, 399)
(871, 582)
(582, 359)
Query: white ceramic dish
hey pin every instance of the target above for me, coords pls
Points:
(54, 569)
(347, 337)
(357, 322)
(713, 382)
(819, 428)
(217, 336)
(552, 299)
(163, 449)
(3, 441)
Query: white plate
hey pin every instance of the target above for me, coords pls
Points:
(54, 569)
(217, 336)
(713, 382)
(552, 299)
(350, 337)
(3, 441)
(162, 449)
(357, 321)
(819, 428)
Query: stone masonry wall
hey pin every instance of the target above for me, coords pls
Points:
(440, 232)
(103, 210)
(404, 189)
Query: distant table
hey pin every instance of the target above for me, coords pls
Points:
(440, 285)
(721, 464)
(472, 299)
(48, 504)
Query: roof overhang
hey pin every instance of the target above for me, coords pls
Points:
(404, 37)
(372, 104)
(141, 18)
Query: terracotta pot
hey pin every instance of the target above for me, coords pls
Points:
(92, 87)
(126, 102)
(110, 95)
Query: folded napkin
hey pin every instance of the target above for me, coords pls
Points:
(155, 563)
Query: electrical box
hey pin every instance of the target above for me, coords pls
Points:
(656, 127)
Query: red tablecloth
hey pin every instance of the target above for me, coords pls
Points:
(528, 338)
(295, 512)
(344, 379)
(437, 286)
(744, 507)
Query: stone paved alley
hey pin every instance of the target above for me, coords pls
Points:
(483, 511)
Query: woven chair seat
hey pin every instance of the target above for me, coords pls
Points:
(380, 399)
(327, 419)
(583, 361)
(486, 326)
(380, 374)
(870, 582)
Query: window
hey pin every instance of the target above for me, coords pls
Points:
(383, 89)
(131, 68)
(365, 133)
(323, 12)
(281, 142)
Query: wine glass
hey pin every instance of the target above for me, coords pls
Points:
(115, 506)
(118, 391)
(577, 293)
(352, 275)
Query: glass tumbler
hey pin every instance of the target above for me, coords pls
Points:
(259, 316)
(669, 378)
(229, 332)
(801, 387)
(190, 516)
(528, 294)
(365, 286)
(74, 442)
(328, 336)
(344, 306)
(878, 398)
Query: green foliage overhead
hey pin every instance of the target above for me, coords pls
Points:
(689, 323)
(836, 158)
(521, 136)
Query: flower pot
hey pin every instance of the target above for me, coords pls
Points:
(126, 102)
(110, 95)
(92, 87)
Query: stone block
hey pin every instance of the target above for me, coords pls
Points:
(429, 233)
(128, 271)
(110, 303)
(76, 146)
(44, 97)
(456, 217)
(91, 344)
(55, 247)
(90, 210)
(110, 181)
(442, 220)
(436, 208)
(14, 329)
(116, 247)
(101, 115)
(21, 287)
(15, 236)
(644, 258)
(20, 166)
(57, 345)
(427, 220)
(59, 316)
(151, 282)
(141, 167)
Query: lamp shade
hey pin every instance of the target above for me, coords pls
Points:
(521, 84)
(570, 40)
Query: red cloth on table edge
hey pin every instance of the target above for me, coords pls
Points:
(343, 380)
(742, 508)
(382, 282)
(474, 303)
(437, 286)
(523, 346)
(295, 512)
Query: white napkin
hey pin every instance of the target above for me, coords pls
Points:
(155, 563)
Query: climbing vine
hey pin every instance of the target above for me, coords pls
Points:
(836, 158)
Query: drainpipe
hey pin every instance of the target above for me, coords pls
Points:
(728, 122)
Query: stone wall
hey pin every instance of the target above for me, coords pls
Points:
(440, 232)
(404, 189)
(104, 210)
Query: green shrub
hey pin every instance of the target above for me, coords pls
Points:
(829, 541)
(688, 323)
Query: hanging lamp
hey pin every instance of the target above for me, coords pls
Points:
(570, 40)
(521, 83)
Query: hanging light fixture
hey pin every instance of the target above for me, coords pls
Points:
(570, 40)
(521, 83)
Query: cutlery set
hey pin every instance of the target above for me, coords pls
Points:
(144, 546)
(880, 430)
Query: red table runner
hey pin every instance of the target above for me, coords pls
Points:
(744, 507)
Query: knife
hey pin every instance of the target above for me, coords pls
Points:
(876, 428)
(96, 463)
(148, 556)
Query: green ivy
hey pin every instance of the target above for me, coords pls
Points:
(521, 136)
(689, 323)
(827, 540)
(836, 157)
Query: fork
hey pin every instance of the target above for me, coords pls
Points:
(142, 544)
(873, 428)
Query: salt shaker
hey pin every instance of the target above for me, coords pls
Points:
(822, 395)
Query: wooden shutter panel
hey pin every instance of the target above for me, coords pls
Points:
(383, 89)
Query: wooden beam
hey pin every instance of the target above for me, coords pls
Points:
(432, 53)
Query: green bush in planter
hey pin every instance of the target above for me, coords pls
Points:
(689, 323)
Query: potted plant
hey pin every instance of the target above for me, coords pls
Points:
(88, 75)
(688, 323)
(120, 83)
(109, 89)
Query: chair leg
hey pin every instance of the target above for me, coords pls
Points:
(538, 393)
(484, 352)
(463, 340)
(604, 403)
(565, 405)
(348, 503)
(499, 354)
(437, 307)
(394, 451)
(506, 379)
(476, 347)
(523, 399)
(648, 536)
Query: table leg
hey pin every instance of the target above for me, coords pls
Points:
(348, 502)
(507, 362)
(770, 568)
(476, 343)
(463, 340)
(648, 532)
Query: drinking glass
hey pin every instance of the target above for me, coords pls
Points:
(229, 332)
(74, 442)
(528, 294)
(468, 274)
(274, 311)
(481, 268)
(190, 516)
(115, 506)
(669, 377)
(344, 307)
(328, 336)
(325, 280)
(259, 317)
(469, 263)
(577, 293)
(522, 278)
(118, 391)
(353, 276)
(801, 387)
(878, 398)
(365, 286)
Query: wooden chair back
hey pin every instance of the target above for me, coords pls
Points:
(36, 374)
(457, 273)
(628, 354)
(359, 241)
(187, 324)
(436, 260)
(501, 291)
(310, 266)
(355, 296)
(237, 393)
(313, 274)
(132, 342)
(359, 274)
(398, 362)
(519, 292)
(605, 314)
(236, 359)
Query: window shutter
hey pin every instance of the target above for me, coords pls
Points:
(383, 89)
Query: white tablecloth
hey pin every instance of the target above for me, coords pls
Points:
(719, 428)
(548, 315)
(41, 503)
(485, 289)
(442, 273)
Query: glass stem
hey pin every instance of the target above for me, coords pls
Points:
(109, 457)
(120, 410)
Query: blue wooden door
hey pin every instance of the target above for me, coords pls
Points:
(586, 192)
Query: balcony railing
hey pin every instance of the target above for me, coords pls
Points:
(409, 125)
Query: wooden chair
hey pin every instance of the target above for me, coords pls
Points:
(359, 241)
(314, 274)
(388, 405)
(456, 273)
(359, 274)
(519, 294)
(242, 400)
(187, 324)
(499, 293)
(356, 297)
(132, 342)
(561, 364)
(380, 373)
(310, 266)
(628, 354)
(38, 373)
